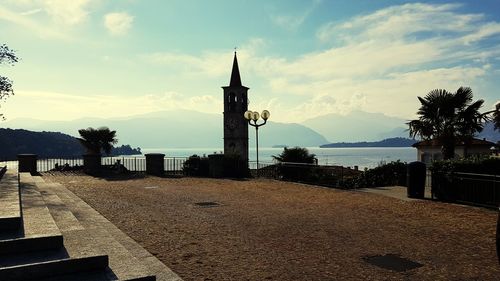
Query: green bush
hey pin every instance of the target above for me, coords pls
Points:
(295, 164)
(196, 166)
(478, 165)
(445, 185)
(296, 155)
(393, 173)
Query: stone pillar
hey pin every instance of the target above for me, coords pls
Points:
(216, 165)
(155, 164)
(92, 163)
(27, 163)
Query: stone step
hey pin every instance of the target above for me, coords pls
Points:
(37, 220)
(50, 269)
(30, 244)
(33, 257)
(145, 278)
(90, 237)
(63, 217)
(128, 260)
(10, 208)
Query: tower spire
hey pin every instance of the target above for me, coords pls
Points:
(235, 74)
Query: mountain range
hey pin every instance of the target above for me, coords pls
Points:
(47, 144)
(192, 129)
(177, 129)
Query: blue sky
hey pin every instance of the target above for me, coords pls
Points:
(301, 59)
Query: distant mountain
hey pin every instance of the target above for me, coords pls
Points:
(357, 126)
(178, 129)
(390, 142)
(489, 133)
(46, 144)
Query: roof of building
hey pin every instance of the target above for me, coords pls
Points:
(435, 142)
(235, 74)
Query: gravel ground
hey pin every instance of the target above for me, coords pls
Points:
(272, 230)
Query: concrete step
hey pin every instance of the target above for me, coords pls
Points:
(33, 257)
(37, 220)
(63, 217)
(95, 276)
(31, 244)
(87, 236)
(145, 278)
(10, 208)
(54, 268)
(128, 260)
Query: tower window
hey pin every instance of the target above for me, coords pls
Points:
(232, 102)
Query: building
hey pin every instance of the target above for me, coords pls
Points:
(430, 150)
(235, 124)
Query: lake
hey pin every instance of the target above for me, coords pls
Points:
(368, 157)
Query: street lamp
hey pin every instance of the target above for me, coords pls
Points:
(254, 116)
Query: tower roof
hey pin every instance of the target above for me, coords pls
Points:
(235, 73)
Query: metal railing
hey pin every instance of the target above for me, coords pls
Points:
(327, 175)
(468, 188)
(264, 170)
(66, 163)
(172, 165)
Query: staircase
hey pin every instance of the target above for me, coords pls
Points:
(47, 233)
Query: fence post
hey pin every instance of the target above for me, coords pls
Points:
(27, 163)
(155, 164)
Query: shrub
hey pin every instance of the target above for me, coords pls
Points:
(295, 164)
(479, 165)
(393, 173)
(446, 187)
(296, 155)
(196, 166)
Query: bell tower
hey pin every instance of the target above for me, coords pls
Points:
(235, 124)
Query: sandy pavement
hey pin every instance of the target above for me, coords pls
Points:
(272, 230)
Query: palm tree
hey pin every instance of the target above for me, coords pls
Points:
(448, 118)
(296, 155)
(97, 140)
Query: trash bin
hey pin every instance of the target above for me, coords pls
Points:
(416, 180)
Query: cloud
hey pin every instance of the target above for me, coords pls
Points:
(367, 62)
(43, 31)
(31, 12)
(292, 22)
(70, 106)
(400, 22)
(67, 12)
(48, 19)
(118, 23)
(211, 63)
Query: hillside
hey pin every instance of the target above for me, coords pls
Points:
(357, 126)
(46, 144)
(178, 129)
(390, 142)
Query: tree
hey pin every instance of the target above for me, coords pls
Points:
(494, 116)
(296, 155)
(97, 140)
(448, 118)
(7, 56)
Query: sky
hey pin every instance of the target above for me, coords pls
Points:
(300, 59)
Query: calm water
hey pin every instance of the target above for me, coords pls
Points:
(363, 157)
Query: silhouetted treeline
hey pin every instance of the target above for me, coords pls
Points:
(46, 145)
(390, 142)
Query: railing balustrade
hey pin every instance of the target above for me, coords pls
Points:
(173, 165)
(468, 188)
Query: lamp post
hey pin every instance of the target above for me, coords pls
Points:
(254, 116)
